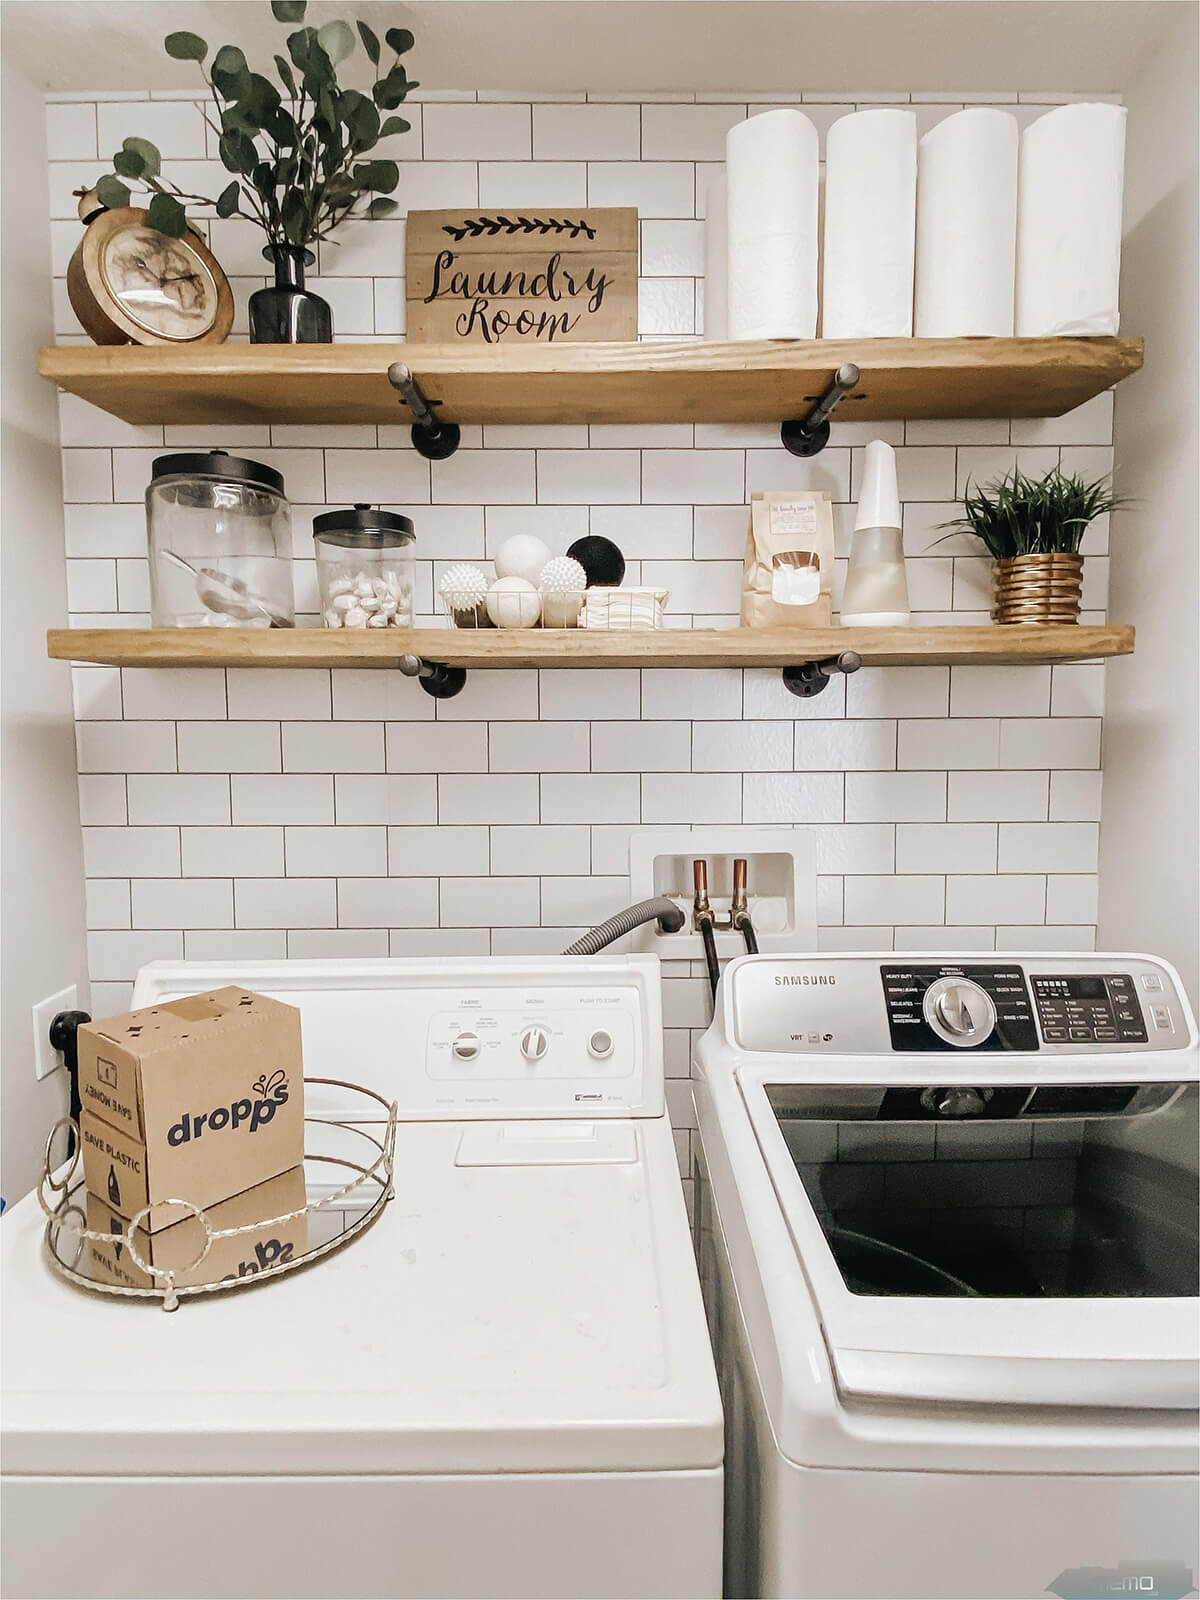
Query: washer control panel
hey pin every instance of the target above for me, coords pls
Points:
(958, 1008)
(1090, 1008)
(888, 1005)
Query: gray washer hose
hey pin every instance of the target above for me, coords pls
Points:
(665, 912)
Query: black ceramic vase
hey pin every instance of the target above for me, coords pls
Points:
(287, 313)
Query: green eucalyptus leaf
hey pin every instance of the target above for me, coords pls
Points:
(167, 215)
(390, 91)
(394, 125)
(239, 118)
(300, 46)
(295, 214)
(185, 47)
(281, 126)
(380, 207)
(380, 176)
(288, 10)
(128, 164)
(238, 153)
(360, 117)
(264, 94)
(400, 39)
(337, 40)
(151, 160)
(227, 200)
(285, 75)
(370, 42)
(111, 192)
(230, 74)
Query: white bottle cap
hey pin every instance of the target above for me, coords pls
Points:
(879, 499)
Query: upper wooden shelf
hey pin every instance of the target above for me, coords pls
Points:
(534, 647)
(677, 381)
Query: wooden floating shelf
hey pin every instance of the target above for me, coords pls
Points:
(676, 381)
(532, 647)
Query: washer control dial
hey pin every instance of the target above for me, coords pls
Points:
(960, 1012)
(600, 1044)
(534, 1043)
(466, 1047)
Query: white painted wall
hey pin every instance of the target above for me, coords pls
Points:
(1149, 874)
(43, 941)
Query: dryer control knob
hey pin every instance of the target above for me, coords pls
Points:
(959, 1011)
(600, 1044)
(466, 1047)
(534, 1043)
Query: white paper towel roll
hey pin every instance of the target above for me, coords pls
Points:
(716, 264)
(967, 226)
(870, 226)
(1069, 221)
(771, 165)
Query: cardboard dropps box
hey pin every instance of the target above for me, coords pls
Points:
(175, 1248)
(194, 1099)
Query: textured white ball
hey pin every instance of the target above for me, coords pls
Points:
(462, 586)
(562, 582)
(522, 556)
(513, 603)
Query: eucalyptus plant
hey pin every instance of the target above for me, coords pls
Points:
(299, 154)
(1020, 516)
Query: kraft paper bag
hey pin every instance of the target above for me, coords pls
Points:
(788, 576)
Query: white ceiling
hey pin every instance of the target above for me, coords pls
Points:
(743, 45)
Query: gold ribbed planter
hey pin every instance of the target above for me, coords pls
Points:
(1039, 588)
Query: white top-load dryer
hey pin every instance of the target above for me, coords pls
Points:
(947, 1223)
(504, 1387)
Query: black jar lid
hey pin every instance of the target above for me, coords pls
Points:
(363, 528)
(220, 464)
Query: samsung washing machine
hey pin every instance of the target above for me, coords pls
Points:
(947, 1225)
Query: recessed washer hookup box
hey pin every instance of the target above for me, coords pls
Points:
(193, 1099)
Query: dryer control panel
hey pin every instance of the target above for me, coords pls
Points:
(880, 1005)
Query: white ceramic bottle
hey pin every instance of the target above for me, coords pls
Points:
(876, 593)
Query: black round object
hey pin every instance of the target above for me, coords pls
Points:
(600, 559)
(220, 464)
(363, 528)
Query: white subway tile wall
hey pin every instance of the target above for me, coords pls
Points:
(305, 813)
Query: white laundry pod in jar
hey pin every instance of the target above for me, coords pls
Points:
(513, 603)
(522, 556)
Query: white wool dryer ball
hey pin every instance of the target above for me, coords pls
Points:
(522, 556)
(513, 603)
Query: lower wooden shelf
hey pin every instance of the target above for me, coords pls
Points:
(532, 647)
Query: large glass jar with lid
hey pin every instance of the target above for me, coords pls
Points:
(365, 567)
(220, 543)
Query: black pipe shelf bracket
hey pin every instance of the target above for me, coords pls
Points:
(812, 677)
(810, 436)
(432, 438)
(435, 677)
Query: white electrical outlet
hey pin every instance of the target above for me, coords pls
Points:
(46, 1059)
(781, 885)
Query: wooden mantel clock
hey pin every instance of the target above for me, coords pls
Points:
(130, 284)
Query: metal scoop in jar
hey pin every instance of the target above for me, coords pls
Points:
(223, 593)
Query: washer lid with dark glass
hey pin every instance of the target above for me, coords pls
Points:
(1003, 1227)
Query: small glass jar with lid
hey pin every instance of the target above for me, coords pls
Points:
(365, 568)
(220, 543)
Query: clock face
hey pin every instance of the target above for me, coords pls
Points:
(160, 283)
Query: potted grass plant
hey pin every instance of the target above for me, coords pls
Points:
(300, 155)
(1032, 528)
